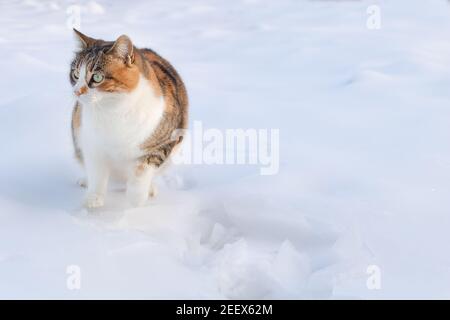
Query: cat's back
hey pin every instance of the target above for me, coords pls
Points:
(171, 85)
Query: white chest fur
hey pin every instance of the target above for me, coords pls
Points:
(113, 126)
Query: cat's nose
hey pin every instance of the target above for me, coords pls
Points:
(81, 91)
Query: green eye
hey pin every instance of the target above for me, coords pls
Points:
(97, 77)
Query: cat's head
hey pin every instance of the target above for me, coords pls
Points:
(103, 69)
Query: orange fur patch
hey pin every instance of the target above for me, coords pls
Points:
(81, 91)
(120, 77)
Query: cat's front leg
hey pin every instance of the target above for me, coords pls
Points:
(97, 172)
(139, 184)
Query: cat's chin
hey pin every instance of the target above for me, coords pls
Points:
(90, 99)
(107, 98)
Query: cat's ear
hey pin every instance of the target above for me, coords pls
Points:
(83, 40)
(123, 49)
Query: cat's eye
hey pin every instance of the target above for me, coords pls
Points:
(76, 74)
(97, 77)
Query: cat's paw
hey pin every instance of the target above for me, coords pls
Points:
(94, 200)
(82, 182)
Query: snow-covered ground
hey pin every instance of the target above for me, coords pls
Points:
(364, 177)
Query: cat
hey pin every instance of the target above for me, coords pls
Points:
(130, 111)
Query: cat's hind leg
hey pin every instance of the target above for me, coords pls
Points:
(153, 191)
(139, 183)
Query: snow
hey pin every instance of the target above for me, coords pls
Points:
(364, 154)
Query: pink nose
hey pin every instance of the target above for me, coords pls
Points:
(81, 91)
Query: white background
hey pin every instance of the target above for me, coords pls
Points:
(364, 119)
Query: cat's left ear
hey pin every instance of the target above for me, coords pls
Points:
(83, 40)
(123, 49)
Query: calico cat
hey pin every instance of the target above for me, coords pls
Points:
(130, 105)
